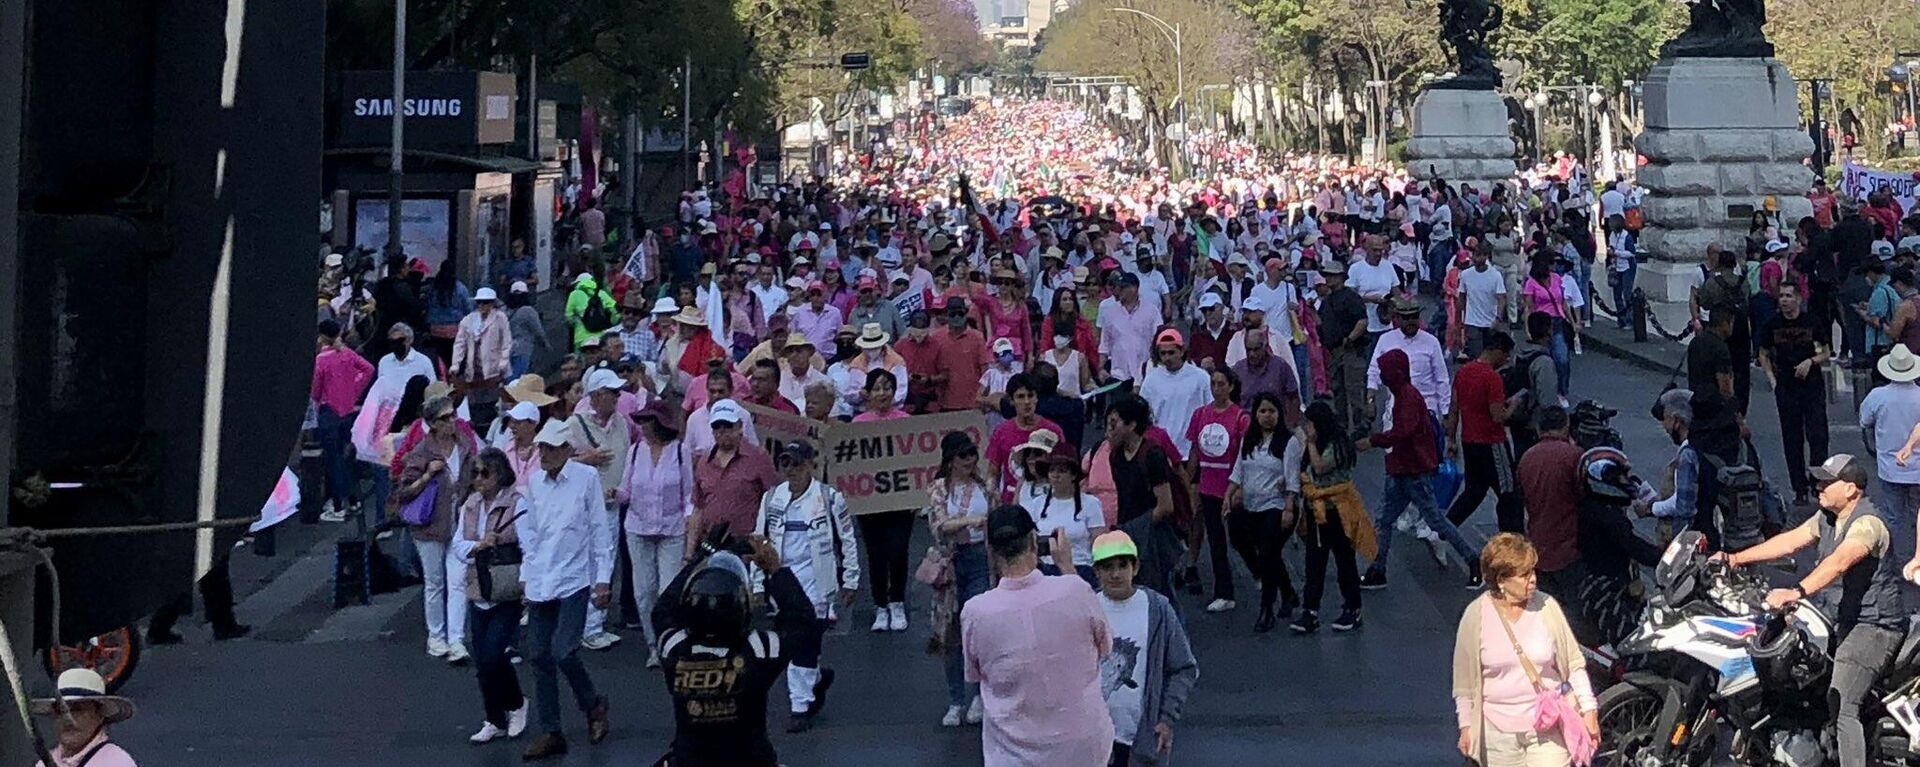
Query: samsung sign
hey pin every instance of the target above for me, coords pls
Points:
(411, 107)
(447, 111)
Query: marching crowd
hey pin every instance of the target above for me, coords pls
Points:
(1168, 371)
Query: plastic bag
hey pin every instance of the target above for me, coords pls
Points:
(1446, 483)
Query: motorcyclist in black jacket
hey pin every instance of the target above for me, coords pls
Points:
(1609, 601)
(718, 666)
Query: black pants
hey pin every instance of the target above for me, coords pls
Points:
(492, 631)
(1803, 424)
(1122, 755)
(1325, 539)
(1740, 344)
(1217, 546)
(1489, 468)
(216, 592)
(887, 535)
(1260, 537)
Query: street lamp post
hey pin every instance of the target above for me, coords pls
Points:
(1172, 31)
(394, 168)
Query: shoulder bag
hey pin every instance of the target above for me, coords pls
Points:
(1552, 709)
(498, 567)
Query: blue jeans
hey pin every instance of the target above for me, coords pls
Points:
(1562, 354)
(375, 506)
(970, 577)
(332, 429)
(1583, 276)
(1302, 367)
(1623, 294)
(519, 363)
(492, 631)
(1416, 489)
(1439, 255)
(553, 648)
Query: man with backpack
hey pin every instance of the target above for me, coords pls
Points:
(1531, 383)
(1151, 492)
(1726, 288)
(1480, 414)
(590, 310)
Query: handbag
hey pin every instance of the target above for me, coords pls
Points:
(498, 567)
(419, 511)
(1552, 710)
(936, 568)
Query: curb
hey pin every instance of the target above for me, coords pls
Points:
(1634, 353)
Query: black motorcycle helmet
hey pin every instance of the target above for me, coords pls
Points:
(714, 605)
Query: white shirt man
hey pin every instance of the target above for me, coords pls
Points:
(1426, 361)
(1174, 390)
(772, 294)
(1485, 289)
(1373, 281)
(567, 539)
(1613, 202)
(400, 369)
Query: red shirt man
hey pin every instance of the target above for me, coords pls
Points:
(1476, 389)
(962, 357)
(921, 350)
(1549, 478)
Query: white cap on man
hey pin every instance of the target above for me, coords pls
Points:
(485, 294)
(555, 434)
(725, 411)
(604, 379)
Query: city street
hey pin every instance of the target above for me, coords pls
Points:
(314, 686)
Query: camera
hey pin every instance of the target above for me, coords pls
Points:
(720, 538)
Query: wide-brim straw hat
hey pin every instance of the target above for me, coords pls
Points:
(84, 685)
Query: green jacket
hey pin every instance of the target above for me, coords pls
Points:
(587, 290)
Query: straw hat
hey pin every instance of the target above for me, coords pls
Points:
(531, 388)
(1900, 365)
(872, 337)
(691, 315)
(84, 685)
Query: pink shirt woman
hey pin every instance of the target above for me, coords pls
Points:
(1550, 298)
(657, 489)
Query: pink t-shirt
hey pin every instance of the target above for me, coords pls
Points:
(1007, 436)
(1545, 299)
(1010, 324)
(1034, 644)
(1509, 699)
(1215, 435)
(867, 416)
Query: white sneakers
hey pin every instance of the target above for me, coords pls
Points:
(1220, 605)
(974, 714)
(600, 641)
(893, 617)
(517, 719)
(487, 734)
(437, 647)
(955, 714)
(457, 654)
(952, 719)
(328, 513)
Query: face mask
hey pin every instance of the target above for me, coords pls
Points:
(875, 355)
(1060, 342)
(917, 334)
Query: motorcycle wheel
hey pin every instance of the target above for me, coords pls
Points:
(114, 655)
(1628, 713)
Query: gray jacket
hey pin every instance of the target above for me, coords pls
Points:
(1171, 673)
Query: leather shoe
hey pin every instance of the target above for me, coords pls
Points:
(597, 721)
(234, 631)
(546, 746)
(1264, 623)
(160, 638)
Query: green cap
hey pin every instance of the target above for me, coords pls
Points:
(1114, 544)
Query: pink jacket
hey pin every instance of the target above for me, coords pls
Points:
(488, 343)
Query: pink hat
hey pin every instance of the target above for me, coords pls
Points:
(816, 285)
(868, 283)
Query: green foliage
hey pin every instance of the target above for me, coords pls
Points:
(1850, 42)
(1600, 42)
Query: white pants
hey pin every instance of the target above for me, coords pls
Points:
(655, 562)
(801, 679)
(1525, 749)
(445, 592)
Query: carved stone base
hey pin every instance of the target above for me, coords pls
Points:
(1722, 137)
(1461, 136)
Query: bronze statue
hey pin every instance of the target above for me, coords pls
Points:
(1465, 24)
(1722, 29)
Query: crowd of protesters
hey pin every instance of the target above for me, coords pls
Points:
(1164, 367)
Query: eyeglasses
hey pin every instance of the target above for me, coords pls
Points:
(443, 417)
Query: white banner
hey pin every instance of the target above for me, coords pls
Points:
(1858, 181)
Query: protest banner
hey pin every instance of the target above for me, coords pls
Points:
(1858, 181)
(886, 465)
(778, 427)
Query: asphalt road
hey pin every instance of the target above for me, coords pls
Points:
(354, 687)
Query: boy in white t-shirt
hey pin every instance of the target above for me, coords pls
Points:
(1150, 670)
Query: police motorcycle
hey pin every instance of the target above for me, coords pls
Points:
(1722, 670)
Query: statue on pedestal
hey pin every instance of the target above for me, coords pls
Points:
(1464, 25)
(1722, 29)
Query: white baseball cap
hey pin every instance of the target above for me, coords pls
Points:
(725, 411)
(1253, 304)
(518, 286)
(666, 305)
(604, 379)
(1003, 345)
(555, 433)
(1209, 300)
(524, 411)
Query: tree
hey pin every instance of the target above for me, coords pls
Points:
(1850, 42)
(1597, 42)
(950, 36)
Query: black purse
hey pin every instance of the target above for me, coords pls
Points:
(498, 568)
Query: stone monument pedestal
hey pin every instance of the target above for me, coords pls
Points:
(1461, 136)
(1722, 137)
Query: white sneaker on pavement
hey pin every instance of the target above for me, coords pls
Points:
(333, 516)
(487, 734)
(437, 647)
(899, 612)
(1220, 605)
(882, 620)
(974, 714)
(600, 641)
(952, 719)
(517, 719)
(1438, 549)
(457, 654)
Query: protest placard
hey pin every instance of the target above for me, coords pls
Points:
(886, 465)
(1858, 181)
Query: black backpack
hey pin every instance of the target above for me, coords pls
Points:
(1738, 491)
(596, 317)
(1517, 377)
